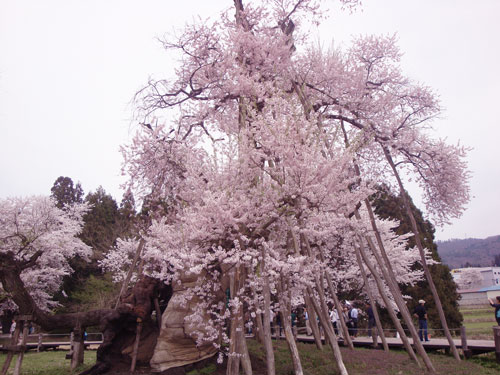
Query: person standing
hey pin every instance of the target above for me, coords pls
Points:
(497, 308)
(371, 318)
(308, 324)
(353, 314)
(421, 314)
(12, 328)
(346, 314)
(334, 317)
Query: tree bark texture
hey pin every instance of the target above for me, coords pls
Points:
(286, 320)
(268, 344)
(338, 306)
(117, 325)
(78, 348)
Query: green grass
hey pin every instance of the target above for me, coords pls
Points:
(314, 362)
(474, 326)
(207, 370)
(49, 363)
(478, 321)
(487, 360)
(366, 361)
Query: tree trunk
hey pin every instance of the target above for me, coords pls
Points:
(338, 306)
(238, 351)
(398, 298)
(117, 325)
(78, 348)
(392, 314)
(126, 281)
(322, 310)
(286, 321)
(245, 358)
(372, 303)
(387, 271)
(420, 247)
(313, 322)
(136, 345)
(233, 362)
(325, 321)
(259, 332)
(268, 344)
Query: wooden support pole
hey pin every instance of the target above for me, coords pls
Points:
(130, 271)
(24, 339)
(496, 335)
(22, 323)
(10, 354)
(465, 349)
(136, 345)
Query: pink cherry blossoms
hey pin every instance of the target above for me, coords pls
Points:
(38, 239)
(264, 149)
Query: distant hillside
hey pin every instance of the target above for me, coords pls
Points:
(476, 252)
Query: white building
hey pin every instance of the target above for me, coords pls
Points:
(477, 284)
(488, 276)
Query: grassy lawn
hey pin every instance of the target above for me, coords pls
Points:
(478, 321)
(49, 363)
(358, 362)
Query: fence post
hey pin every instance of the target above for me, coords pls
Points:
(78, 347)
(25, 320)
(465, 349)
(496, 335)
(39, 346)
(12, 348)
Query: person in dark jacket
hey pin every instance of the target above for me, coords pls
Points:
(497, 308)
(371, 318)
(421, 314)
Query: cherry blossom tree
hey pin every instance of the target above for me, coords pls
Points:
(266, 151)
(256, 150)
(468, 278)
(37, 240)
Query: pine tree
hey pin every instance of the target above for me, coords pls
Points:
(65, 193)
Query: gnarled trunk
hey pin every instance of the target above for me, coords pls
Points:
(118, 325)
(177, 344)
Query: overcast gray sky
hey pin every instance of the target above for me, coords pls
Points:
(69, 69)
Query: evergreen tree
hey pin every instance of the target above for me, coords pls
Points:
(390, 206)
(65, 193)
(100, 230)
(126, 225)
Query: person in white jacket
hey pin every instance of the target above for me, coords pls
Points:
(334, 317)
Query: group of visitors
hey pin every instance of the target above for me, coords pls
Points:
(350, 314)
